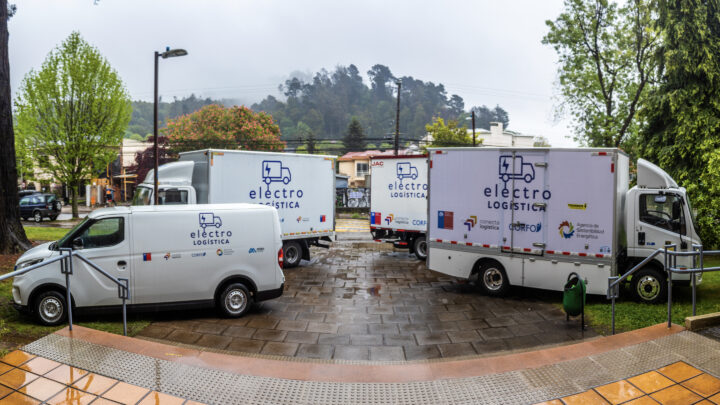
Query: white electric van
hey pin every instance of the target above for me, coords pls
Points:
(223, 255)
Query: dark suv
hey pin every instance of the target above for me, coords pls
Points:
(39, 206)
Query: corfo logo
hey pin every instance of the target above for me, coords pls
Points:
(567, 230)
(525, 227)
(389, 218)
(470, 222)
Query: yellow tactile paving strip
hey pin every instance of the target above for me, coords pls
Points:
(352, 225)
(28, 379)
(677, 383)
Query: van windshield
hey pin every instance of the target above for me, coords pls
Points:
(63, 242)
(142, 196)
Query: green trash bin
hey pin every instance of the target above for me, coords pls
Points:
(574, 297)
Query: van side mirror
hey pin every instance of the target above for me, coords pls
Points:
(77, 243)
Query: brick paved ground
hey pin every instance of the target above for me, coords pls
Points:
(362, 301)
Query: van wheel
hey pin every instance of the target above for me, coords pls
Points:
(37, 216)
(420, 247)
(292, 252)
(49, 308)
(649, 286)
(492, 279)
(235, 301)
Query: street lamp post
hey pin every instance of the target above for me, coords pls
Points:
(169, 53)
(397, 118)
(472, 116)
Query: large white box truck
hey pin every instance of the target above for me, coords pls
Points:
(173, 256)
(300, 186)
(398, 202)
(530, 217)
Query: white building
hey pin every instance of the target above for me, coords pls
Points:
(496, 136)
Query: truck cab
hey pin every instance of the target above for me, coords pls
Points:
(657, 213)
(175, 187)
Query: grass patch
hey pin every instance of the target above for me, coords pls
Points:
(43, 233)
(357, 215)
(630, 315)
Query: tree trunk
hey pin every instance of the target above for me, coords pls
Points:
(12, 233)
(73, 198)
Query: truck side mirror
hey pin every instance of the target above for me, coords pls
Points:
(77, 243)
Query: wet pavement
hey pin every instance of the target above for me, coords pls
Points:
(362, 301)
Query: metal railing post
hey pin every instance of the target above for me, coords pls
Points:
(66, 268)
(613, 292)
(694, 283)
(669, 311)
(123, 292)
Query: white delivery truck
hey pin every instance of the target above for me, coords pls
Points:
(300, 186)
(398, 202)
(223, 255)
(530, 217)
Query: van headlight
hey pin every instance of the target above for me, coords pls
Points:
(27, 263)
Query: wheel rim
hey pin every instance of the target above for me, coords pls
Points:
(51, 309)
(236, 301)
(37, 217)
(493, 279)
(422, 248)
(291, 254)
(648, 287)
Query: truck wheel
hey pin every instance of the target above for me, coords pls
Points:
(420, 248)
(492, 279)
(528, 178)
(505, 178)
(49, 308)
(292, 254)
(37, 216)
(286, 180)
(649, 285)
(235, 301)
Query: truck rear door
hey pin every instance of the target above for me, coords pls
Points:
(527, 214)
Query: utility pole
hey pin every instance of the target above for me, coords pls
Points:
(473, 124)
(397, 118)
(155, 131)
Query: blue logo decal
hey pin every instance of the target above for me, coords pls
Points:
(273, 171)
(209, 219)
(524, 171)
(406, 170)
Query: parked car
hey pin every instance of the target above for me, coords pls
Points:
(23, 193)
(39, 206)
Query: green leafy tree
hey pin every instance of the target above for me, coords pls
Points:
(448, 135)
(354, 139)
(215, 126)
(74, 110)
(606, 63)
(682, 133)
(307, 135)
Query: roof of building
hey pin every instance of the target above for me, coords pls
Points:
(365, 155)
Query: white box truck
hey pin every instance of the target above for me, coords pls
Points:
(300, 186)
(222, 255)
(398, 201)
(530, 217)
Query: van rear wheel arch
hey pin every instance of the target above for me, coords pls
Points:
(232, 280)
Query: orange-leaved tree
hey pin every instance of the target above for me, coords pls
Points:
(215, 126)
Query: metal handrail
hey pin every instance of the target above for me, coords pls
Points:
(613, 290)
(66, 268)
(670, 266)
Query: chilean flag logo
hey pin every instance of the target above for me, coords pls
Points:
(147, 257)
(322, 218)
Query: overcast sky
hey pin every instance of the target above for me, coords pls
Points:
(488, 52)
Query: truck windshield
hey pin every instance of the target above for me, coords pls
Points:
(142, 196)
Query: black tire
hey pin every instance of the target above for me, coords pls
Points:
(53, 217)
(24, 218)
(649, 285)
(49, 308)
(37, 216)
(492, 279)
(420, 248)
(292, 254)
(235, 300)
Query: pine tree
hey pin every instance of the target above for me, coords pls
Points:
(354, 139)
